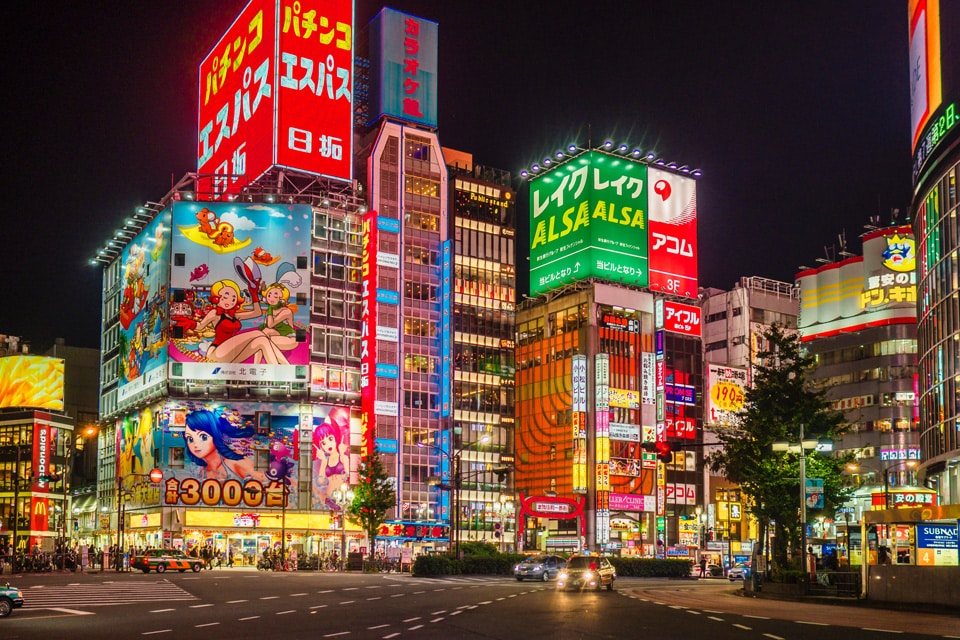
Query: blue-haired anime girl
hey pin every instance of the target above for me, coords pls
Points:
(207, 448)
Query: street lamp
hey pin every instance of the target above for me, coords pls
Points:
(454, 488)
(343, 498)
(505, 507)
(805, 444)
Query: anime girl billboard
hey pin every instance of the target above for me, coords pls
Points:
(234, 286)
(233, 455)
(331, 457)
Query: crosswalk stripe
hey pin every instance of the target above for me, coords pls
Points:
(98, 595)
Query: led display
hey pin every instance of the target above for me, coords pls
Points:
(673, 233)
(31, 381)
(403, 67)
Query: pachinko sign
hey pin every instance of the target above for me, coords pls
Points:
(588, 218)
(221, 444)
(368, 333)
(277, 90)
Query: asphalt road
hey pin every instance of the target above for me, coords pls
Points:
(248, 604)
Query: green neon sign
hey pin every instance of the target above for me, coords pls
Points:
(588, 219)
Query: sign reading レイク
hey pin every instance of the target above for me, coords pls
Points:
(589, 219)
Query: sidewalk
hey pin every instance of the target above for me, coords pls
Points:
(767, 594)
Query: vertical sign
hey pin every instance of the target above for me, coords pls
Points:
(673, 233)
(446, 340)
(403, 67)
(602, 445)
(579, 386)
(368, 333)
(42, 449)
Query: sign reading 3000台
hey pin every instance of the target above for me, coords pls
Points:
(230, 493)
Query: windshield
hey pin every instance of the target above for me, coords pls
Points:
(581, 562)
(535, 560)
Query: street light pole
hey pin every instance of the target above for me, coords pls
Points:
(343, 498)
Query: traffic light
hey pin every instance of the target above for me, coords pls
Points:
(664, 450)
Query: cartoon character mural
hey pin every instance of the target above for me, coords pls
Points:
(331, 457)
(222, 444)
(143, 308)
(135, 445)
(225, 306)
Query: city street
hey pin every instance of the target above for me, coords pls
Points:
(240, 603)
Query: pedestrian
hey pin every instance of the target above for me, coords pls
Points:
(703, 566)
(229, 557)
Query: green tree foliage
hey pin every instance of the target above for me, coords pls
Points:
(372, 498)
(781, 400)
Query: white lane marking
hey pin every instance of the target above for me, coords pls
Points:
(392, 635)
(200, 606)
(398, 595)
(296, 595)
(207, 624)
(772, 637)
(339, 633)
(269, 597)
(486, 602)
(376, 598)
(162, 610)
(756, 617)
(715, 618)
(350, 588)
(696, 613)
(436, 613)
(881, 630)
(455, 613)
(150, 633)
(440, 619)
(745, 628)
(235, 601)
(248, 618)
(374, 587)
(818, 624)
(327, 591)
(283, 613)
(416, 593)
(77, 612)
(379, 626)
(419, 626)
(412, 619)
(348, 602)
(319, 606)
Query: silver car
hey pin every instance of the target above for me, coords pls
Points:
(539, 568)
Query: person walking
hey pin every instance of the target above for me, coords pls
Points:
(703, 566)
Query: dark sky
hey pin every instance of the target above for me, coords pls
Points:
(797, 112)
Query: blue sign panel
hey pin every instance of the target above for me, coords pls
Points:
(388, 224)
(386, 445)
(936, 536)
(403, 67)
(446, 339)
(387, 296)
(388, 371)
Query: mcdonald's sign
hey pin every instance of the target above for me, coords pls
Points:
(38, 514)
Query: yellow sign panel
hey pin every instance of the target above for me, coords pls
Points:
(31, 381)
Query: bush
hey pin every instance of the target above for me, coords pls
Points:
(651, 567)
(436, 565)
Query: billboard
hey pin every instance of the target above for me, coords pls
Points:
(330, 455)
(236, 276)
(728, 386)
(31, 381)
(673, 233)
(588, 219)
(277, 89)
(135, 447)
(934, 77)
(876, 289)
(221, 443)
(368, 332)
(403, 67)
(143, 308)
(677, 317)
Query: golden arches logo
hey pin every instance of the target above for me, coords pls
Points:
(40, 508)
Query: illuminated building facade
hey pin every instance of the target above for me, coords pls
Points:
(483, 210)
(936, 170)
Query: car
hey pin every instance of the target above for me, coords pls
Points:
(712, 571)
(10, 598)
(541, 567)
(162, 559)
(739, 571)
(587, 571)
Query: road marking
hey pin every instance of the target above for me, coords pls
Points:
(440, 619)
(745, 628)
(162, 610)
(283, 613)
(235, 601)
(499, 599)
(297, 595)
(512, 595)
(463, 606)
(392, 635)
(416, 593)
(376, 598)
(444, 589)
(412, 619)
(398, 595)
(348, 602)
(756, 617)
(77, 612)
(200, 606)
(881, 630)
(772, 637)
(350, 588)
(319, 606)
(715, 618)
(248, 618)
(379, 626)
(269, 597)
(327, 591)
(419, 626)
(819, 624)
(207, 624)
(696, 613)
(339, 633)
(150, 633)
(485, 602)
(374, 587)
(677, 606)
(436, 613)
(455, 613)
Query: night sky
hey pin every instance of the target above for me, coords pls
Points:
(797, 112)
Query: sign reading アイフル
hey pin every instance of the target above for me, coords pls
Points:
(588, 218)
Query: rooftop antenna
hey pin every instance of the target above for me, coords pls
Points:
(842, 238)
(830, 252)
(874, 223)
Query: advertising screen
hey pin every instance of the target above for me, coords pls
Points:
(403, 67)
(934, 77)
(681, 318)
(331, 460)
(31, 381)
(221, 444)
(277, 89)
(236, 274)
(137, 439)
(588, 218)
(673, 233)
(143, 308)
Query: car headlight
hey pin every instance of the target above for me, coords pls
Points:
(588, 575)
(563, 575)
(538, 568)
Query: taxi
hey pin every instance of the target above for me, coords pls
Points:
(162, 559)
(10, 599)
(588, 571)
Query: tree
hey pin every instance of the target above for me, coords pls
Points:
(372, 498)
(781, 400)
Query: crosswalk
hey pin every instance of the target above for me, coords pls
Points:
(406, 579)
(102, 594)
